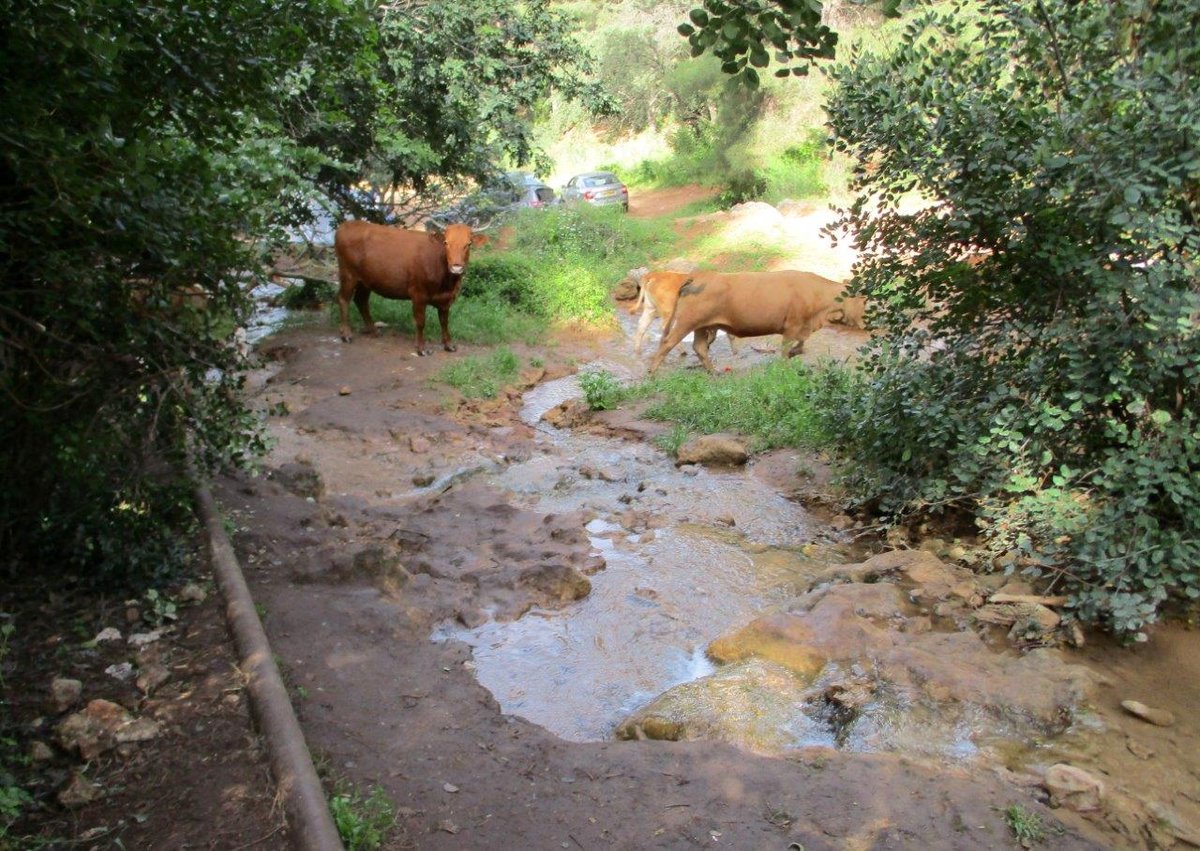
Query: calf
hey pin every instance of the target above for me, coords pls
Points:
(425, 268)
(750, 304)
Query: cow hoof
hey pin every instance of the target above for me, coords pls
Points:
(346, 338)
(451, 348)
(422, 353)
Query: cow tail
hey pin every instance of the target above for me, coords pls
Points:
(675, 310)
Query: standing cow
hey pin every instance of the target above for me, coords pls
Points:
(425, 268)
(656, 297)
(751, 304)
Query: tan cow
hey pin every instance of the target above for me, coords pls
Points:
(426, 268)
(656, 298)
(751, 304)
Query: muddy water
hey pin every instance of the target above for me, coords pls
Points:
(666, 592)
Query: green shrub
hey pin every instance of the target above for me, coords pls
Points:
(601, 389)
(1054, 388)
(363, 823)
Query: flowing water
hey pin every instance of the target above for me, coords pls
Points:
(666, 592)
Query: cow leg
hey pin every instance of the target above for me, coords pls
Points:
(735, 345)
(419, 321)
(362, 299)
(444, 317)
(669, 341)
(345, 290)
(702, 338)
(648, 314)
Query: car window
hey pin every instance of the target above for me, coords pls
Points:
(599, 180)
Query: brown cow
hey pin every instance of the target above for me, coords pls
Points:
(425, 268)
(750, 304)
(657, 297)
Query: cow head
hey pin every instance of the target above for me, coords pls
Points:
(458, 240)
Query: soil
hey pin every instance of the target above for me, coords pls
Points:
(364, 531)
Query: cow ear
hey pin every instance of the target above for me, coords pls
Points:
(480, 239)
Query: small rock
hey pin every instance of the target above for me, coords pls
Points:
(142, 639)
(933, 545)
(138, 730)
(447, 826)
(419, 445)
(40, 752)
(151, 677)
(1158, 717)
(423, 481)
(78, 791)
(842, 522)
(192, 593)
(109, 633)
(610, 474)
(897, 536)
(121, 671)
(132, 615)
(345, 391)
(1075, 634)
(1138, 749)
(64, 693)
(727, 520)
(1073, 788)
(94, 730)
(449, 787)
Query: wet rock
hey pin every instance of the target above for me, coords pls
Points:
(853, 622)
(557, 583)
(713, 450)
(568, 414)
(751, 704)
(299, 479)
(64, 693)
(1073, 788)
(79, 791)
(1157, 717)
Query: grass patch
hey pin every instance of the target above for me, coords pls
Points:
(363, 822)
(1027, 827)
(771, 404)
(482, 377)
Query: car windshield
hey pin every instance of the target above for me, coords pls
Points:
(599, 180)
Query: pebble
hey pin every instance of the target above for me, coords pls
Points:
(1158, 717)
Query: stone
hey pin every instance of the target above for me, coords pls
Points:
(345, 390)
(192, 593)
(110, 633)
(1157, 717)
(145, 639)
(1073, 788)
(151, 677)
(1033, 621)
(713, 450)
(299, 479)
(841, 522)
(79, 791)
(121, 671)
(138, 730)
(92, 731)
(40, 752)
(64, 693)
(419, 445)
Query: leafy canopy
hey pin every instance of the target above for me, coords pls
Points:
(151, 151)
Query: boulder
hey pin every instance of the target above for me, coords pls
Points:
(1073, 788)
